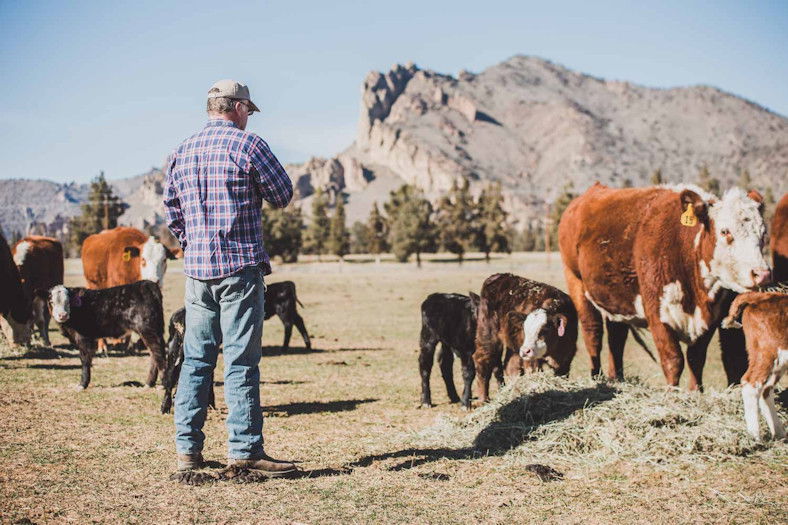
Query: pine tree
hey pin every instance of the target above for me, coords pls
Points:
(338, 242)
(556, 211)
(378, 232)
(318, 230)
(359, 238)
(100, 212)
(412, 230)
(456, 220)
(656, 177)
(282, 232)
(707, 182)
(491, 229)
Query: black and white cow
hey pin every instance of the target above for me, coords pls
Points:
(87, 315)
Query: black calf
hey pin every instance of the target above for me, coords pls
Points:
(87, 315)
(449, 319)
(280, 299)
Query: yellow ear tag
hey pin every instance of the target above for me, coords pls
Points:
(127, 254)
(688, 218)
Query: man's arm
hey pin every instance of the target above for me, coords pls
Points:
(172, 205)
(272, 180)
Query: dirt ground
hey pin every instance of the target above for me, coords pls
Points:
(347, 411)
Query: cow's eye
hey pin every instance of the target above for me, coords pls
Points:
(725, 231)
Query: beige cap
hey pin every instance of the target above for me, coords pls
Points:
(231, 89)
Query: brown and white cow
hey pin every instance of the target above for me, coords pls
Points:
(779, 240)
(532, 322)
(119, 256)
(40, 263)
(764, 317)
(660, 257)
(15, 305)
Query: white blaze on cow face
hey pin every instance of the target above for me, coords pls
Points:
(59, 303)
(739, 231)
(21, 252)
(534, 346)
(153, 262)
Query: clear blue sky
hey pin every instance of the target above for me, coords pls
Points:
(88, 86)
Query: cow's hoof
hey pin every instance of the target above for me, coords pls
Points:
(466, 408)
(79, 388)
(426, 405)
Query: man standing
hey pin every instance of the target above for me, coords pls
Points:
(215, 185)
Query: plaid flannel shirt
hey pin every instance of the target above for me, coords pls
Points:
(214, 188)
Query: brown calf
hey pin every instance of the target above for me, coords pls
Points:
(535, 322)
(779, 240)
(40, 263)
(764, 317)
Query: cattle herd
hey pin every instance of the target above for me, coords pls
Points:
(673, 260)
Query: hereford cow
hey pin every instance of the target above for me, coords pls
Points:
(448, 319)
(660, 257)
(764, 317)
(280, 300)
(543, 315)
(779, 240)
(40, 263)
(119, 256)
(87, 315)
(15, 303)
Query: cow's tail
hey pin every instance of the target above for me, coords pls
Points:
(639, 340)
(295, 295)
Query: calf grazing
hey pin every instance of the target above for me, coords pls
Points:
(86, 315)
(662, 258)
(764, 317)
(40, 263)
(280, 300)
(536, 323)
(448, 319)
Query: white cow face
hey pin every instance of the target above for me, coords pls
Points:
(739, 231)
(541, 332)
(153, 262)
(59, 303)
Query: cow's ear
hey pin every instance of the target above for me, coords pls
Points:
(757, 197)
(41, 293)
(561, 322)
(699, 206)
(475, 299)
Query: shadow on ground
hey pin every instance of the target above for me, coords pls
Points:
(316, 407)
(273, 351)
(513, 424)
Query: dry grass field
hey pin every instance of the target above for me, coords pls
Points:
(625, 453)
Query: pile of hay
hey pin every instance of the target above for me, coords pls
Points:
(583, 423)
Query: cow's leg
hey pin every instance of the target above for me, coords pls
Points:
(670, 356)
(446, 362)
(41, 313)
(769, 412)
(512, 365)
(87, 347)
(172, 372)
(616, 340)
(468, 373)
(102, 346)
(750, 395)
(590, 320)
(288, 331)
(487, 359)
(299, 323)
(427, 343)
(734, 353)
(158, 361)
(696, 359)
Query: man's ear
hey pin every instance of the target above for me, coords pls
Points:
(699, 206)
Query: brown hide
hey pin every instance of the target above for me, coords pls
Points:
(504, 294)
(779, 240)
(13, 299)
(102, 257)
(42, 267)
(764, 318)
(618, 244)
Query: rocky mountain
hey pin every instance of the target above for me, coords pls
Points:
(528, 123)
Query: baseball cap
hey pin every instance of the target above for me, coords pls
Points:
(231, 89)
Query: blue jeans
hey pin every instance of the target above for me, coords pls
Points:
(229, 311)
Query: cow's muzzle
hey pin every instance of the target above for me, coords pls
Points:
(761, 276)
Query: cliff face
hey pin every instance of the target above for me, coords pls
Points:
(535, 126)
(530, 124)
